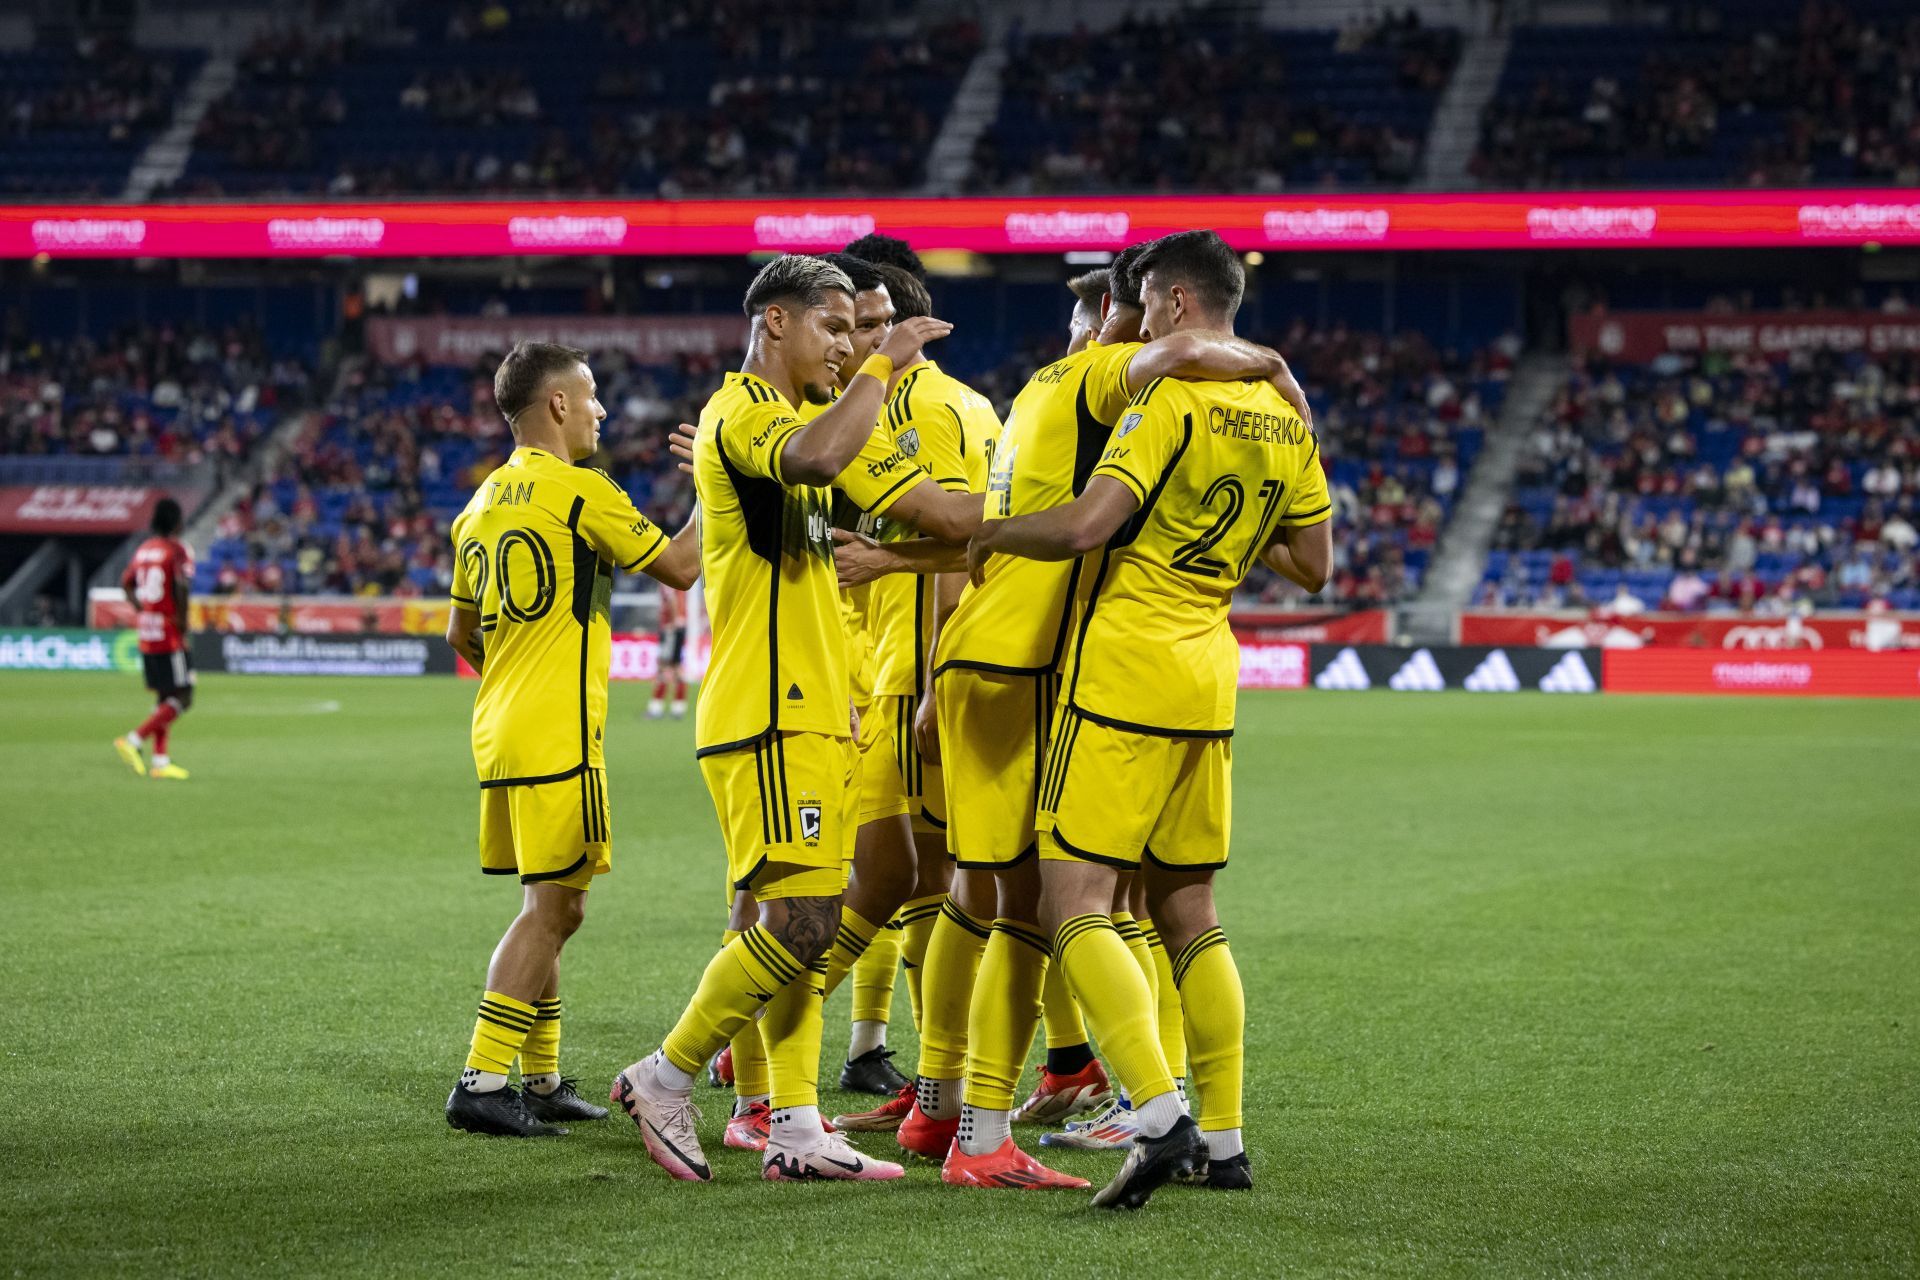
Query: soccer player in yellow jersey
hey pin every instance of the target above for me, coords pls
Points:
(535, 554)
(1193, 484)
(995, 668)
(773, 730)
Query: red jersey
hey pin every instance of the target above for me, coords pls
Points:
(160, 576)
(673, 608)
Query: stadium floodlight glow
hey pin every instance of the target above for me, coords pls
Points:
(1468, 220)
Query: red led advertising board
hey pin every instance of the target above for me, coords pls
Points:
(1477, 220)
(1828, 673)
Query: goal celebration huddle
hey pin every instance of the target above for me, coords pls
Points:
(970, 706)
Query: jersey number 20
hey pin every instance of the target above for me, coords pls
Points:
(528, 601)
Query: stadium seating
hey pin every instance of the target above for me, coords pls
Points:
(173, 393)
(363, 504)
(1770, 93)
(732, 99)
(74, 118)
(1719, 485)
(1186, 104)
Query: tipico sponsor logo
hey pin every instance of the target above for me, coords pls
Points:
(565, 230)
(1860, 218)
(1762, 675)
(89, 233)
(1326, 224)
(1068, 226)
(1592, 222)
(326, 233)
(811, 228)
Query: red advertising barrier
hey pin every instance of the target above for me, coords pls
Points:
(62, 508)
(1828, 674)
(1638, 336)
(636, 656)
(1477, 220)
(300, 615)
(1310, 626)
(1568, 630)
(461, 340)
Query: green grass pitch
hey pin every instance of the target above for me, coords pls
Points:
(1536, 986)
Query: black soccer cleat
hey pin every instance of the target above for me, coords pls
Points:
(499, 1112)
(1152, 1162)
(873, 1072)
(561, 1105)
(1231, 1174)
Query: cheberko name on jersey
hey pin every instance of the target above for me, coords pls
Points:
(1255, 426)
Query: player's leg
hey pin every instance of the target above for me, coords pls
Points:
(746, 1054)
(871, 986)
(765, 842)
(1173, 1034)
(1085, 841)
(1189, 847)
(178, 697)
(1004, 1014)
(933, 881)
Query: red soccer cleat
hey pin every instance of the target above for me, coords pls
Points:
(748, 1130)
(884, 1118)
(720, 1070)
(921, 1135)
(1007, 1167)
(1057, 1097)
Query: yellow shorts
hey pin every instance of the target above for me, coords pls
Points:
(1113, 796)
(894, 777)
(555, 832)
(791, 799)
(993, 734)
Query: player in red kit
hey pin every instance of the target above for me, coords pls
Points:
(671, 673)
(156, 583)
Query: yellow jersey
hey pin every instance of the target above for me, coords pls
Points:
(1015, 620)
(1217, 467)
(949, 430)
(534, 554)
(779, 650)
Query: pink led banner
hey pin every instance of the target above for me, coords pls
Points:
(1578, 220)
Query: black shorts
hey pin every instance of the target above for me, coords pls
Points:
(673, 645)
(168, 673)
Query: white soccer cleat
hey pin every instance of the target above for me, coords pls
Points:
(1058, 1098)
(1112, 1128)
(656, 709)
(665, 1118)
(822, 1157)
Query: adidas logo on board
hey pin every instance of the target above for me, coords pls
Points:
(1495, 674)
(1421, 674)
(1344, 672)
(1569, 675)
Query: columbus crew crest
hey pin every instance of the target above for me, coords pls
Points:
(810, 823)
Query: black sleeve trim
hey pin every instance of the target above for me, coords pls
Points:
(738, 744)
(1151, 730)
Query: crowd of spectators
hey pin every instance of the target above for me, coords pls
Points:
(172, 393)
(1720, 483)
(363, 502)
(1188, 102)
(1831, 97)
(740, 97)
(73, 116)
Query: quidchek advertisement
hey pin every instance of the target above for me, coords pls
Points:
(42, 649)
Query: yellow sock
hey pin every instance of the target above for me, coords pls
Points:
(946, 992)
(1117, 1003)
(749, 1052)
(743, 975)
(540, 1055)
(873, 976)
(498, 1032)
(1173, 1028)
(1060, 1012)
(791, 1030)
(1216, 1022)
(1131, 934)
(1005, 1011)
(916, 930)
(849, 944)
